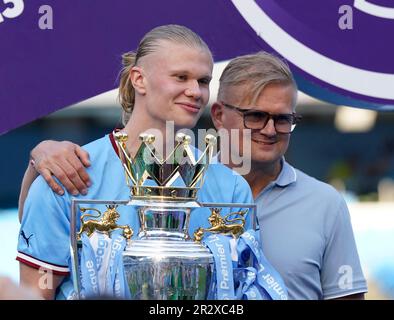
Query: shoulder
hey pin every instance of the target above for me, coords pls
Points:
(102, 155)
(316, 196)
(226, 185)
(226, 175)
(316, 187)
(323, 199)
(99, 146)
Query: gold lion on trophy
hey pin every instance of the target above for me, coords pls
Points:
(223, 225)
(106, 225)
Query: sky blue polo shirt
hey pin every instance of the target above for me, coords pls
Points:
(307, 236)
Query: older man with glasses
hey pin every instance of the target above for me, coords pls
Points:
(305, 225)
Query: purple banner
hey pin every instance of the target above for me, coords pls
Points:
(57, 53)
(340, 49)
(43, 70)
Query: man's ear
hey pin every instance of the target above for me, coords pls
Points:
(137, 80)
(217, 115)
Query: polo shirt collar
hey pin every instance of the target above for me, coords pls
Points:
(286, 176)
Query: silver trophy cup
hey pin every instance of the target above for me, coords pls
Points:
(163, 262)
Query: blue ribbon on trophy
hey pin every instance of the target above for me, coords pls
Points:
(220, 248)
(235, 280)
(89, 274)
(257, 282)
(102, 268)
(266, 277)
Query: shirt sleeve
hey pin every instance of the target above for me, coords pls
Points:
(341, 273)
(44, 240)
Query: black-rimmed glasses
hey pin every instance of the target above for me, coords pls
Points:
(257, 120)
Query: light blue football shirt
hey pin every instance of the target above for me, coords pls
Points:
(46, 215)
(307, 236)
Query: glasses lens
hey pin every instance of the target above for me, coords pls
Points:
(284, 123)
(255, 120)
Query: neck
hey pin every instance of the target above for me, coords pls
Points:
(261, 175)
(140, 123)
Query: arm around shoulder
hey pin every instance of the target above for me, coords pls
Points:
(28, 178)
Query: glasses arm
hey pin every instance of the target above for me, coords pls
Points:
(235, 108)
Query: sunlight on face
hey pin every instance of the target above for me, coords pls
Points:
(176, 78)
(267, 146)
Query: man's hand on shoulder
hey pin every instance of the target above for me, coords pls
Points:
(64, 160)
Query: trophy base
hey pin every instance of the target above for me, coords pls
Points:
(162, 269)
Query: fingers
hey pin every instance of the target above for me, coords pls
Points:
(80, 163)
(47, 175)
(67, 176)
(76, 172)
(66, 161)
(82, 155)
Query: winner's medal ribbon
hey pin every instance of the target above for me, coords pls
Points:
(220, 248)
(267, 277)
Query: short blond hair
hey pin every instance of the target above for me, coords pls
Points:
(255, 71)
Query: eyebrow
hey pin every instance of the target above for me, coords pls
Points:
(207, 76)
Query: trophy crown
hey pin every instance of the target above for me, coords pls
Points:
(147, 164)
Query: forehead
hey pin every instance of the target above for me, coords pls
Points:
(274, 97)
(171, 57)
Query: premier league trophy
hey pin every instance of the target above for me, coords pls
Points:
(163, 261)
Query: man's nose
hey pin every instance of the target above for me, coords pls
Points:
(193, 90)
(269, 128)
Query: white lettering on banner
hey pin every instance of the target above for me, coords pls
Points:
(92, 275)
(224, 283)
(72, 296)
(117, 287)
(13, 11)
(252, 239)
(251, 275)
(116, 246)
(101, 247)
(223, 267)
(267, 277)
(272, 284)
